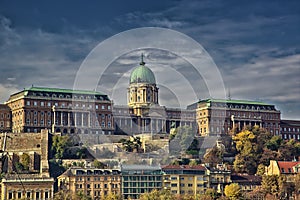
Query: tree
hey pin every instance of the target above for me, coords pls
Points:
(285, 188)
(25, 161)
(137, 143)
(270, 184)
(260, 170)
(183, 139)
(132, 144)
(98, 164)
(297, 183)
(112, 196)
(63, 195)
(274, 143)
(247, 157)
(214, 156)
(81, 196)
(81, 152)
(203, 197)
(60, 144)
(266, 156)
(193, 149)
(158, 195)
(212, 193)
(233, 191)
(193, 163)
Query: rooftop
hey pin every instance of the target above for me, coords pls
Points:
(228, 101)
(184, 167)
(60, 90)
(287, 166)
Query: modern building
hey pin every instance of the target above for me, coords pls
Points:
(60, 110)
(93, 182)
(24, 163)
(139, 179)
(216, 116)
(290, 129)
(185, 179)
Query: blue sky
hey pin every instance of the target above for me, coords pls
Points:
(255, 44)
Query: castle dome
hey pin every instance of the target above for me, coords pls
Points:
(142, 74)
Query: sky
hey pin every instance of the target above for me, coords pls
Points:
(255, 45)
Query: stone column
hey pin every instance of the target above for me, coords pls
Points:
(75, 118)
(69, 119)
(61, 118)
(82, 114)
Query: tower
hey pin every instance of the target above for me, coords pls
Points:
(142, 91)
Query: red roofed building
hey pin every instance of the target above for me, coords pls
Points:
(288, 168)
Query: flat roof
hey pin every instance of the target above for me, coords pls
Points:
(234, 101)
(61, 90)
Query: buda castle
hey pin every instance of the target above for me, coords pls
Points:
(88, 112)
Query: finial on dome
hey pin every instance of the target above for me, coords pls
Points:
(142, 60)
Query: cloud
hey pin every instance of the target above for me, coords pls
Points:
(255, 44)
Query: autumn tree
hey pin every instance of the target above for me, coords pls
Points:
(233, 191)
(212, 193)
(260, 170)
(270, 184)
(214, 156)
(297, 184)
(158, 195)
(246, 159)
(112, 196)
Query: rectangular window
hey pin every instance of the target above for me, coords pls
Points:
(37, 195)
(46, 195)
(10, 195)
(35, 103)
(49, 104)
(96, 107)
(19, 195)
(42, 103)
(28, 194)
(102, 107)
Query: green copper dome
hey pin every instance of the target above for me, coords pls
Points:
(142, 74)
